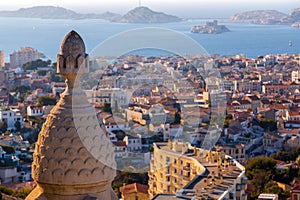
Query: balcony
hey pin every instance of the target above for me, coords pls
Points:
(166, 183)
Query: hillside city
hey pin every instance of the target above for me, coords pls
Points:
(192, 127)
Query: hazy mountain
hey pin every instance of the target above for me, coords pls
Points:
(294, 17)
(51, 12)
(260, 17)
(146, 15)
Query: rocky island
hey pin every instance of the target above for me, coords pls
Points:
(269, 17)
(137, 15)
(52, 12)
(260, 17)
(147, 16)
(210, 28)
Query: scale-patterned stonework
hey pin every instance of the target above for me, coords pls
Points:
(73, 157)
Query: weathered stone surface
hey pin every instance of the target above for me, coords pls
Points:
(65, 162)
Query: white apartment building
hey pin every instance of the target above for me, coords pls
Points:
(11, 116)
(24, 55)
(35, 111)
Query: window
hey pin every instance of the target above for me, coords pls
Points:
(167, 159)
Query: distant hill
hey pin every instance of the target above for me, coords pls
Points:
(268, 17)
(260, 17)
(294, 17)
(137, 15)
(45, 12)
(146, 15)
(52, 12)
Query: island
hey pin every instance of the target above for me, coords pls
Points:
(139, 14)
(260, 17)
(145, 15)
(210, 28)
(269, 17)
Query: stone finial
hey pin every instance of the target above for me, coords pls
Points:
(72, 62)
(73, 158)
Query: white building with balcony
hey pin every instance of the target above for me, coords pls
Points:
(11, 116)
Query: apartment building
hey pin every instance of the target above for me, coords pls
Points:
(11, 116)
(2, 61)
(180, 171)
(24, 55)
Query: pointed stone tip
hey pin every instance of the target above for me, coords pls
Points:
(72, 44)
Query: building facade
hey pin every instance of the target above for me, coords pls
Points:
(2, 60)
(184, 172)
(24, 55)
(11, 116)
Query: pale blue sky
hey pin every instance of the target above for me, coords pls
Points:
(183, 8)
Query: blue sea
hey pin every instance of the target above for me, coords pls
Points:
(46, 35)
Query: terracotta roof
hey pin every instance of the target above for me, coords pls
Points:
(265, 101)
(253, 98)
(273, 135)
(120, 144)
(296, 184)
(244, 102)
(17, 186)
(293, 113)
(135, 187)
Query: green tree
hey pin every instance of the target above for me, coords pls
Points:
(259, 164)
(8, 149)
(229, 116)
(42, 72)
(7, 132)
(34, 65)
(18, 126)
(260, 171)
(22, 89)
(177, 118)
(22, 193)
(268, 124)
(56, 78)
(286, 155)
(46, 101)
(116, 188)
(6, 190)
(3, 126)
(273, 188)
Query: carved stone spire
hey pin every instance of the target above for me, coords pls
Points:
(72, 62)
(73, 158)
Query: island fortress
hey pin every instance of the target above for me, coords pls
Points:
(73, 158)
